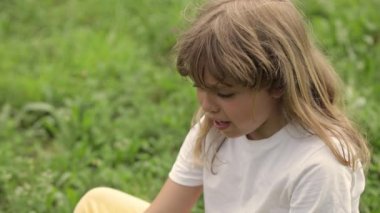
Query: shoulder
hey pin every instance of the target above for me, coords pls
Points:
(321, 161)
(319, 175)
(314, 164)
(314, 156)
(322, 183)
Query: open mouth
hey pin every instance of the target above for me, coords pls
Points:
(221, 124)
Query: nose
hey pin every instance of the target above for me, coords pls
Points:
(207, 102)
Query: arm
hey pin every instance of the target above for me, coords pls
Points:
(184, 185)
(174, 198)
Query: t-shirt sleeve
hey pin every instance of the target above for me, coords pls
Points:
(325, 185)
(186, 171)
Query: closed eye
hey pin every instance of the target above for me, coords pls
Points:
(215, 91)
(225, 95)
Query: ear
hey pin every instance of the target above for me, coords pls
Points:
(276, 92)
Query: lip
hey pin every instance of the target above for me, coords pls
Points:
(221, 125)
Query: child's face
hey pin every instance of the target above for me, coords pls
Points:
(238, 111)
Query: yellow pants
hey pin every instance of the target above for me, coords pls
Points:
(104, 200)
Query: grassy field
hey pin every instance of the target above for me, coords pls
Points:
(89, 95)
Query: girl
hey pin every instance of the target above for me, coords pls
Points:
(270, 135)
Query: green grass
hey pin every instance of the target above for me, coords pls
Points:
(89, 95)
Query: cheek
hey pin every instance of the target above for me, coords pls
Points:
(258, 110)
(240, 113)
(264, 108)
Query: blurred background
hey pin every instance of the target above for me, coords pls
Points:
(89, 95)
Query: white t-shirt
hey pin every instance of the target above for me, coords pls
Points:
(292, 171)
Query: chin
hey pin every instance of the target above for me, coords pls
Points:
(231, 134)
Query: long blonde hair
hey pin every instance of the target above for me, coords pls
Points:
(265, 44)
